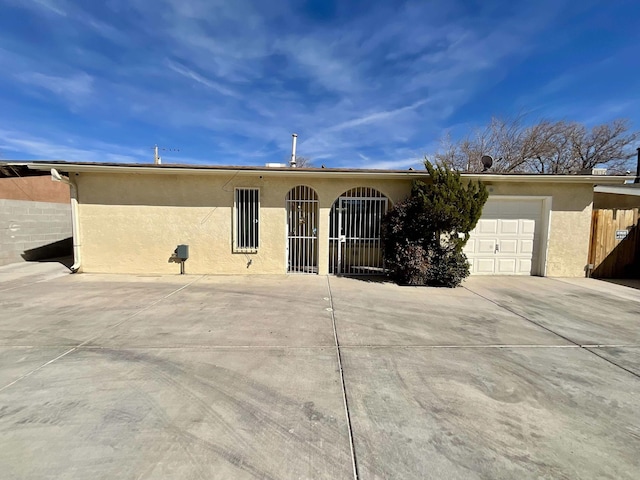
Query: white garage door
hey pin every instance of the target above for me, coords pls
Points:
(505, 240)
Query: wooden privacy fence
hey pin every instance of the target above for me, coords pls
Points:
(615, 243)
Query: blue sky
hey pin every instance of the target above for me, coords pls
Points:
(364, 83)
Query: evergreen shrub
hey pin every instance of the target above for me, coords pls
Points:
(424, 234)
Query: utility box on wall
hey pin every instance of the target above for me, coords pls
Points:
(182, 252)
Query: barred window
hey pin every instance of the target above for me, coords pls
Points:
(247, 216)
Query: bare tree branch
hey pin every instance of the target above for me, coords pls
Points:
(547, 147)
(302, 162)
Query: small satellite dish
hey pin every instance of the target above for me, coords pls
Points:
(487, 161)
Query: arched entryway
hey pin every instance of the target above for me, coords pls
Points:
(354, 232)
(302, 230)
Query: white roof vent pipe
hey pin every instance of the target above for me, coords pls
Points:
(292, 162)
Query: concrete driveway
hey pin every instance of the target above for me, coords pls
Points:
(240, 377)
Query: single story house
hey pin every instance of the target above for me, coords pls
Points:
(130, 218)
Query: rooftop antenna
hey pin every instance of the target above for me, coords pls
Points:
(487, 162)
(156, 157)
(292, 162)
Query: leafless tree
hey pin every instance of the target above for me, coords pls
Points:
(301, 162)
(304, 162)
(607, 144)
(556, 147)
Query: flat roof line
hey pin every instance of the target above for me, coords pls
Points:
(142, 168)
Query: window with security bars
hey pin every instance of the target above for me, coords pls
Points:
(247, 216)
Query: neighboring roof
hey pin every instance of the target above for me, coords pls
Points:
(148, 168)
(8, 170)
(628, 189)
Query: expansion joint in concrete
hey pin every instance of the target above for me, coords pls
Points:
(587, 348)
(89, 340)
(354, 462)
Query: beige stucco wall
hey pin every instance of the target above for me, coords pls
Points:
(131, 223)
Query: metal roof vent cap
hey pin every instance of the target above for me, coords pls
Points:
(292, 162)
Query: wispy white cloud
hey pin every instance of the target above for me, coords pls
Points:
(186, 72)
(236, 78)
(76, 88)
(16, 142)
(321, 62)
(375, 117)
(55, 6)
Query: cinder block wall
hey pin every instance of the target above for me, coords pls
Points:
(26, 225)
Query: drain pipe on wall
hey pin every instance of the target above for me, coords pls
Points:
(75, 227)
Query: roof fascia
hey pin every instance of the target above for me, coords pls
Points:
(617, 190)
(323, 173)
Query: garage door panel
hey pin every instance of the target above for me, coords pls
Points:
(470, 247)
(524, 266)
(486, 245)
(508, 227)
(487, 226)
(528, 227)
(513, 226)
(485, 265)
(509, 246)
(506, 266)
(526, 246)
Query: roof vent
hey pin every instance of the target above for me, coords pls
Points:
(292, 163)
(593, 171)
(275, 165)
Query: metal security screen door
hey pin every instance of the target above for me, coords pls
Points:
(354, 229)
(302, 230)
